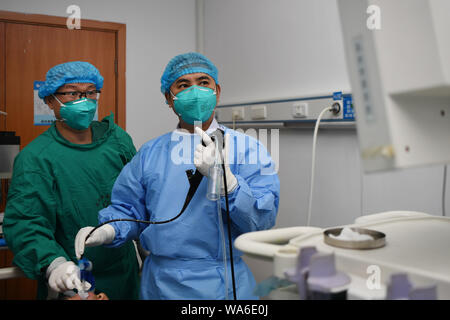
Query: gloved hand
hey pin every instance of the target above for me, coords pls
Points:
(103, 235)
(63, 275)
(204, 158)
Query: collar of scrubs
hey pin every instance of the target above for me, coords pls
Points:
(101, 130)
(212, 127)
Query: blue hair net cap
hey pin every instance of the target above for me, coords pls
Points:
(186, 63)
(70, 72)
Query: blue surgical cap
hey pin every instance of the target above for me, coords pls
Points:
(70, 72)
(186, 63)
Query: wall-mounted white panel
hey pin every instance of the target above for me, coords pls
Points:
(289, 111)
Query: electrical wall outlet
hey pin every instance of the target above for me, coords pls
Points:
(259, 112)
(238, 113)
(300, 110)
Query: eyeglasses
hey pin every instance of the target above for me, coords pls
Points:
(74, 95)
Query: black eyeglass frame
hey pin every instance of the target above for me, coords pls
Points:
(79, 94)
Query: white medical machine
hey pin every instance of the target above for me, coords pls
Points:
(400, 79)
(398, 59)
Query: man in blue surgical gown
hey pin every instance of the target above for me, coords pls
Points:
(186, 257)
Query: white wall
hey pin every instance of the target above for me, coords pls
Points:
(156, 31)
(268, 49)
(292, 48)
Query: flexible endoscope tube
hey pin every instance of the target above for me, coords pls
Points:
(230, 242)
(132, 220)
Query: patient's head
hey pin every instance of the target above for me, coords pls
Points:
(91, 296)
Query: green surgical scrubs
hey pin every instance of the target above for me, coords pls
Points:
(58, 188)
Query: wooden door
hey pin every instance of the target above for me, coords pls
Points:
(2, 77)
(32, 50)
(29, 46)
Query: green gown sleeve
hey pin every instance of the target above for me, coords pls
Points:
(126, 144)
(30, 219)
(131, 149)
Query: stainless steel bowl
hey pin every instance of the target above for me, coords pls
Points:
(379, 239)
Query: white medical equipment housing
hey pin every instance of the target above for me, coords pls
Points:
(417, 245)
(398, 60)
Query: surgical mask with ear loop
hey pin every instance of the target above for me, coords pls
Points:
(78, 114)
(195, 103)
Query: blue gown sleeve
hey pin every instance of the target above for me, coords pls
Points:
(127, 202)
(254, 203)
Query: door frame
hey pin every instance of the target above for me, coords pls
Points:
(118, 29)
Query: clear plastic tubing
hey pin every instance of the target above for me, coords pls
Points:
(214, 178)
(213, 194)
(215, 174)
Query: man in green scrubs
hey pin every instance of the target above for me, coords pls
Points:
(60, 182)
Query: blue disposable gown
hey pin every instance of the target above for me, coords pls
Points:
(186, 254)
